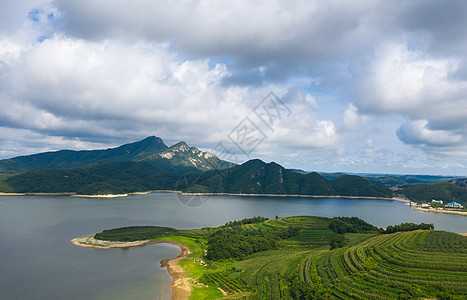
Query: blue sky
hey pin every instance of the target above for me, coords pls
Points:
(371, 86)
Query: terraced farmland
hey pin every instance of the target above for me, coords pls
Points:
(421, 264)
(403, 265)
(225, 280)
(314, 231)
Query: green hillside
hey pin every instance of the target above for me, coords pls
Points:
(111, 178)
(441, 191)
(304, 258)
(258, 177)
(253, 177)
(404, 265)
(395, 180)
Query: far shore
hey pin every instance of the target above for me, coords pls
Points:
(295, 196)
(202, 194)
(180, 286)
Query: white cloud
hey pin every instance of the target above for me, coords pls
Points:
(351, 117)
(419, 87)
(418, 133)
(409, 82)
(74, 72)
(87, 90)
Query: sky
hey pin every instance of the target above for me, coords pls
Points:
(357, 86)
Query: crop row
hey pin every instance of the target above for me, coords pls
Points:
(224, 281)
(388, 267)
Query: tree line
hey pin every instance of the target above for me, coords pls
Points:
(230, 243)
(408, 227)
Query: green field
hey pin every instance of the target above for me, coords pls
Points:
(420, 264)
(134, 233)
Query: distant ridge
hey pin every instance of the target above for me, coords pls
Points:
(258, 177)
(150, 164)
(67, 159)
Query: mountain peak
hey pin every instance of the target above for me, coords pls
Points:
(182, 156)
(181, 146)
(153, 140)
(76, 159)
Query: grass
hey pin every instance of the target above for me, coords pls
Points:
(134, 233)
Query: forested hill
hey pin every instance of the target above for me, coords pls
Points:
(111, 178)
(77, 159)
(258, 177)
(441, 191)
(253, 177)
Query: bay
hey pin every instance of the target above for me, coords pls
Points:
(37, 260)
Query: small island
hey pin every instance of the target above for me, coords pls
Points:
(304, 257)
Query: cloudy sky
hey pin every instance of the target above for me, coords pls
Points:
(364, 86)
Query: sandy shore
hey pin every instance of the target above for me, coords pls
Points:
(181, 288)
(463, 213)
(101, 196)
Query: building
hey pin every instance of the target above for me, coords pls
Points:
(454, 204)
(437, 201)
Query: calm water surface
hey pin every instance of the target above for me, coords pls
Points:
(37, 260)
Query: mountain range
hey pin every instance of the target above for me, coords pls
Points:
(150, 165)
(258, 177)
(178, 158)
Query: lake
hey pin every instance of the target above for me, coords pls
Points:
(37, 260)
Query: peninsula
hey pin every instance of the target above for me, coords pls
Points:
(304, 256)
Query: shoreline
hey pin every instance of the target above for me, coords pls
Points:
(36, 194)
(462, 213)
(89, 196)
(124, 195)
(180, 286)
(203, 194)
